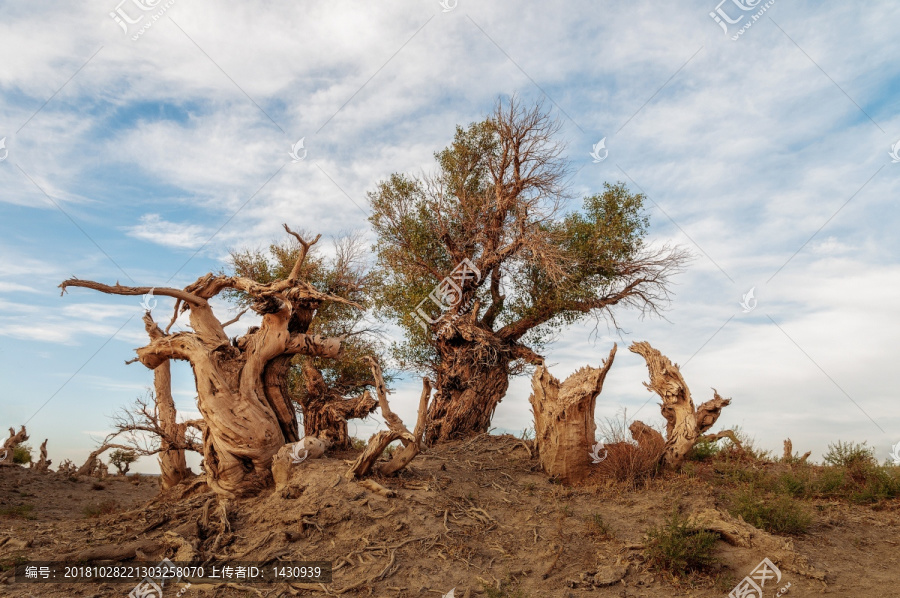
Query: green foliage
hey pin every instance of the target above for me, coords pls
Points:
(18, 512)
(22, 453)
(547, 268)
(343, 275)
(849, 454)
(122, 459)
(780, 514)
(679, 546)
(703, 450)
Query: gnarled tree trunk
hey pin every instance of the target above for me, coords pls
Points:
(326, 412)
(15, 439)
(685, 425)
(172, 465)
(44, 463)
(564, 419)
(245, 424)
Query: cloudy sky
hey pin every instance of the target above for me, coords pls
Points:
(143, 140)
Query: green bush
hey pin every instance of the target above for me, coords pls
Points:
(679, 547)
(779, 514)
(22, 454)
(849, 454)
(703, 450)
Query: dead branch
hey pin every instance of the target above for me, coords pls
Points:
(684, 424)
(412, 441)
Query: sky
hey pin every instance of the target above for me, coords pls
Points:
(141, 141)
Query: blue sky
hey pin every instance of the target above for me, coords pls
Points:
(145, 161)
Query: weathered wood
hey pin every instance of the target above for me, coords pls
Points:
(326, 411)
(44, 463)
(564, 419)
(685, 425)
(15, 439)
(412, 441)
(246, 424)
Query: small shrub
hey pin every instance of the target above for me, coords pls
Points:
(18, 512)
(849, 454)
(626, 461)
(780, 515)
(830, 481)
(793, 483)
(136, 479)
(357, 444)
(599, 527)
(703, 450)
(104, 507)
(679, 547)
(22, 454)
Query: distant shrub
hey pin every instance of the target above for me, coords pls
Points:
(849, 454)
(680, 547)
(779, 514)
(22, 454)
(104, 507)
(18, 512)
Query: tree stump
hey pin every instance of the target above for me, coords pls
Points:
(8, 450)
(564, 419)
(685, 425)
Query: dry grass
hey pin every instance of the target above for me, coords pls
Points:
(626, 461)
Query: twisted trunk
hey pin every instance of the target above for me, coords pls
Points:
(44, 463)
(685, 425)
(172, 466)
(325, 412)
(468, 393)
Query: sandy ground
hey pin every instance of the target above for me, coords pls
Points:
(477, 516)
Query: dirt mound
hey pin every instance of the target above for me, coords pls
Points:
(477, 516)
